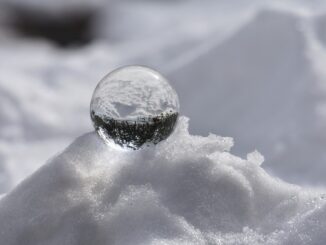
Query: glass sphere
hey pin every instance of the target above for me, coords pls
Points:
(134, 106)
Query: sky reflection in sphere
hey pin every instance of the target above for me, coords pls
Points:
(134, 106)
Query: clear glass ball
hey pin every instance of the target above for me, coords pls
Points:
(134, 106)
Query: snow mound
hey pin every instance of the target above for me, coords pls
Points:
(263, 81)
(186, 190)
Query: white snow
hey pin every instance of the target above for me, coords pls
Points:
(186, 190)
(252, 70)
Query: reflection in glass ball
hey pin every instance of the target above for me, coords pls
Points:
(134, 106)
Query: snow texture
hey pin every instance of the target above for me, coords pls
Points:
(186, 190)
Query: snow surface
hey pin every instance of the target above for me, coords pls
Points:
(252, 70)
(186, 190)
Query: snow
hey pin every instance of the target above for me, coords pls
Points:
(186, 190)
(39, 115)
(250, 70)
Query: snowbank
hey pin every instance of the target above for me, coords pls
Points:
(44, 101)
(186, 190)
(262, 87)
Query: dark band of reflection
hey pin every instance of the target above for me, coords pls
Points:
(136, 133)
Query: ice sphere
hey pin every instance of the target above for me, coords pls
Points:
(134, 106)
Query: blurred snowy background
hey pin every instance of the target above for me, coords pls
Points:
(251, 70)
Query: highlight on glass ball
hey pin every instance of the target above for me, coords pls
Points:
(133, 107)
